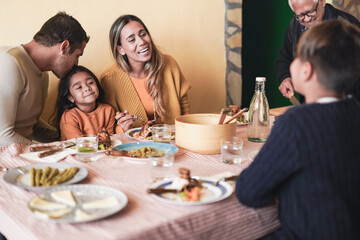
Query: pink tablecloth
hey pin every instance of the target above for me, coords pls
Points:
(144, 217)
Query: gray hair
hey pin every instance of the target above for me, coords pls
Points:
(290, 2)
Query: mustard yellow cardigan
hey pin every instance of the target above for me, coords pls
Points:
(121, 94)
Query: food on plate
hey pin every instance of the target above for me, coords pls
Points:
(234, 109)
(104, 140)
(53, 214)
(64, 196)
(146, 152)
(137, 135)
(101, 203)
(145, 129)
(51, 176)
(190, 188)
(45, 205)
(83, 216)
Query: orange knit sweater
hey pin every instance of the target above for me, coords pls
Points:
(75, 123)
(121, 94)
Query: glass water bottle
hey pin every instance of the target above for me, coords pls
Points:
(258, 128)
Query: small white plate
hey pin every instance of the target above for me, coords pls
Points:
(21, 176)
(253, 154)
(85, 193)
(210, 192)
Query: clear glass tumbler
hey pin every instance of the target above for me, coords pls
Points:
(86, 148)
(161, 167)
(231, 150)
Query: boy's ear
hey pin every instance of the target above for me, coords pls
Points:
(308, 71)
(71, 99)
(65, 47)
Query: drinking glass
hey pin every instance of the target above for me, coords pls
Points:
(231, 150)
(161, 132)
(161, 167)
(86, 148)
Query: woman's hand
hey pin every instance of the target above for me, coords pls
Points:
(124, 120)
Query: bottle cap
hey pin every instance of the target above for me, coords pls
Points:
(260, 79)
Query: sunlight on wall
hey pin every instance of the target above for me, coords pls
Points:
(191, 31)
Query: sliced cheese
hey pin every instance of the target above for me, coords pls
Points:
(64, 196)
(83, 216)
(41, 204)
(54, 214)
(102, 203)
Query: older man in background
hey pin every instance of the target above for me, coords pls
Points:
(307, 13)
(24, 79)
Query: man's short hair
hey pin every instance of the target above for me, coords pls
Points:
(59, 28)
(333, 49)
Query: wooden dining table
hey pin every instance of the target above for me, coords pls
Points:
(144, 217)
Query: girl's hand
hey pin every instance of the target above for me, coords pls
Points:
(124, 120)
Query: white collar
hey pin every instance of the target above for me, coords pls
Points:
(327, 100)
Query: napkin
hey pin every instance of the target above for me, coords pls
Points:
(52, 158)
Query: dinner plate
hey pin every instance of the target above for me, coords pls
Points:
(130, 133)
(246, 115)
(253, 154)
(21, 176)
(84, 193)
(210, 192)
(167, 148)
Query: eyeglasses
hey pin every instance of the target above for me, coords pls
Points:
(300, 17)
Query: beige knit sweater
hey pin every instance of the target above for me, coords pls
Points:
(121, 94)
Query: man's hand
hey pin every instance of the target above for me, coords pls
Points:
(286, 88)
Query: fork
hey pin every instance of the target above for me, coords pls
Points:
(231, 178)
(136, 117)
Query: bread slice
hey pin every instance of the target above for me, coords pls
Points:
(102, 203)
(64, 196)
(44, 205)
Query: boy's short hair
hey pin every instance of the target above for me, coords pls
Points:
(333, 49)
(59, 28)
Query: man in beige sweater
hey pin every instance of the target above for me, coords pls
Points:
(24, 79)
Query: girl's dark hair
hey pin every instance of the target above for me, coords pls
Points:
(63, 102)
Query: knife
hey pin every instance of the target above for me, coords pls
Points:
(294, 100)
(55, 150)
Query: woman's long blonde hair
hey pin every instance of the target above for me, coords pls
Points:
(152, 67)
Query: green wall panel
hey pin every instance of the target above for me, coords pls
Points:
(264, 25)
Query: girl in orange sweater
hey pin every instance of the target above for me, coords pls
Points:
(80, 107)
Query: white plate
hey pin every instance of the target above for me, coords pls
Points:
(86, 193)
(210, 192)
(246, 115)
(114, 142)
(21, 176)
(253, 154)
(130, 133)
